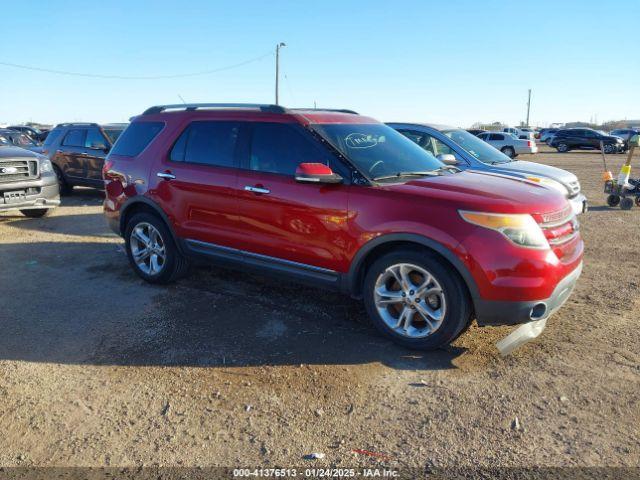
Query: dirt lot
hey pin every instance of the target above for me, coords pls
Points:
(223, 368)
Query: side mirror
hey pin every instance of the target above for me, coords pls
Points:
(316, 173)
(447, 159)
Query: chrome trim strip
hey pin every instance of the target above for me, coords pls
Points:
(259, 256)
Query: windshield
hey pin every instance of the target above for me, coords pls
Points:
(113, 133)
(23, 140)
(378, 150)
(476, 147)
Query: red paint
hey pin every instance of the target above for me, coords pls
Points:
(326, 225)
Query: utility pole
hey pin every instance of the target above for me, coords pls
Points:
(278, 47)
(528, 107)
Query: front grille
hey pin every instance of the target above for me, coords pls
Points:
(560, 227)
(16, 170)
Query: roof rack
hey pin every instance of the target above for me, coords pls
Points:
(336, 110)
(78, 124)
(196, 106)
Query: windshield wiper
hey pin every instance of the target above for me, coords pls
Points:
(432, 173)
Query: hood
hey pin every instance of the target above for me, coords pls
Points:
(538, 169)
(10, 151)
(488, 192)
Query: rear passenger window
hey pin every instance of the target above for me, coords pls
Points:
(135, 138)
(207, 143)
(495, 136)
(278, 148)
(75, 138)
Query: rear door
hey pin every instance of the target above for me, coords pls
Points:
(281, 219)
(95, 151)
(195, 184)
(69, 154)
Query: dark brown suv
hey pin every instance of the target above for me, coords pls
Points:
(78, 150)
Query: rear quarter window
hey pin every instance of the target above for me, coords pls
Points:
(135, 138)
(53, 136)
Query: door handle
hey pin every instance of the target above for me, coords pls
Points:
(262, 190)
(166, 175)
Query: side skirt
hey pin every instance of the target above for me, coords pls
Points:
(264, 264)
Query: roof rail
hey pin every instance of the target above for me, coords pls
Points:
(78, 124)
(195, 106)
(336, 110)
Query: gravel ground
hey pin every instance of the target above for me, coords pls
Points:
(98, 368)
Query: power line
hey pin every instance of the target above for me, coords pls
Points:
(124, 77)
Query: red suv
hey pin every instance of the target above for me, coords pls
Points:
(340, 200)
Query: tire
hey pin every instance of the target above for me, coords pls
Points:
(450, 303)
(613, 200)
(562, 147)
(36, 212)
(626, 203)
(509, 152)
(169, 264)
(637, 201)
(609, 149)
(63, 186)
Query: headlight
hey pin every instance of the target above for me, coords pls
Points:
(520, 229)
(547, 182)
(45, 165)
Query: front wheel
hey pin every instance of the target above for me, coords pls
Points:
(36, 212)
(609, 149)
(152, 252)
(613, 200)
(415, 299)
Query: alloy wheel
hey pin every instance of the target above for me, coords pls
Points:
(410, 300)
(147, 248)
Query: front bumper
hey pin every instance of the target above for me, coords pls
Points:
(45, 194)
(579, 204)
(497, 312)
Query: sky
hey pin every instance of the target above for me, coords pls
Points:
(453, 62)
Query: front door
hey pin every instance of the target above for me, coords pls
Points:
(281, 218)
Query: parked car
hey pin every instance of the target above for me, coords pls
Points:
(625, 134)
(546, 134)
(476, 131)
(526, 133)
(78, 150)
(467, 152)
(342, 201)
(34, 133)
(27, 181)
(568, 139)
(509, 144)
(18, 139)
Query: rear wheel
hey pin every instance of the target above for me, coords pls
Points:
(152, 252)
(562, 147)
(626, 203)
(36, 212)
(416, 300)
(509, 152)
(63, 186)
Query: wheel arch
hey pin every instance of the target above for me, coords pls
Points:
(140, 204)
(379, 246)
